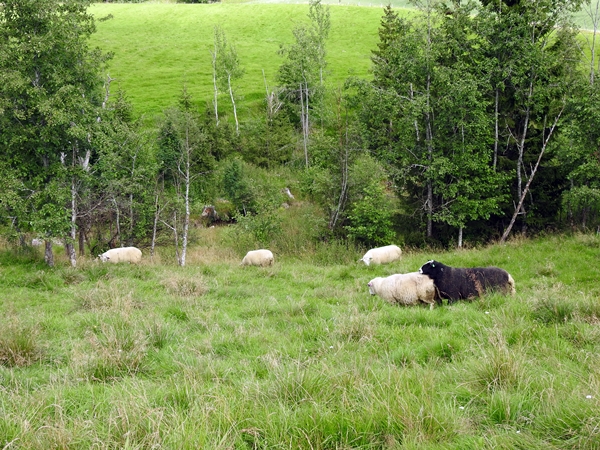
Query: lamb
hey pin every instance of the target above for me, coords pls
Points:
(465, 283)
(382, 255)
(404, 289)
(260, 257)
(122, 254)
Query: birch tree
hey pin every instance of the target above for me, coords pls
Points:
(226, 70)
(302, 73)
(186, 158)
(534, 47)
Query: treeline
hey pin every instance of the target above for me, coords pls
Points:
(479, 121)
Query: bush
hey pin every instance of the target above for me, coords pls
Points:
(371, 209)
(371, 218)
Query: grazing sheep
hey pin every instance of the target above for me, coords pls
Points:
(122, 254)
(404, 289)
(455, 283)
(260, 257)
(382, 255)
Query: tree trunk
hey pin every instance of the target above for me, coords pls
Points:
(48, 253)
(460, 237)
(304, 120)
(154, 226)
(237, 125)
(131, 221)
(70, 244)
(216, 89)
(496, 128)
(187, 179)
(526, 190)
(81, 237)
(175, 235)
(595, 18)
(343, 146)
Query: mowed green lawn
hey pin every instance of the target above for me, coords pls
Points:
(159, 47)
(299, 355)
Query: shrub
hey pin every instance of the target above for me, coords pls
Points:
(371, 208)
(371, 218)
(237, 186)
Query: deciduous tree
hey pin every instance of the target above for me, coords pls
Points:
(50, 93)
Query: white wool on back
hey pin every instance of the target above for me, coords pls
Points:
(404, 289)
(382, 255)
(122, 254)
(261, 257)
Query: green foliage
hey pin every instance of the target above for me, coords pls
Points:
(237, 186)
(371, 208)
(257, 230)
(302, 72)
(269, 143)
(50, 100)
(370, 218)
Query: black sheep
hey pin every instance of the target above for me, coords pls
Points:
(455, 283)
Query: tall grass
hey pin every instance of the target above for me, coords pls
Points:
(298, 355)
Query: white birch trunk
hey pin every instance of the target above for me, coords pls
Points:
(526, 189)
(216, 89)
(70, 245)
(237, 125)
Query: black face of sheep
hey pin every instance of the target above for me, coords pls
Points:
(432, 269)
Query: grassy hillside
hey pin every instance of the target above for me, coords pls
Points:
(299, 356)
(160, 46)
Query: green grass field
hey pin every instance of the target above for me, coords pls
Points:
(160, 47)
(299, 355)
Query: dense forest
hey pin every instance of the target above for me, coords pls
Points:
(479, 121)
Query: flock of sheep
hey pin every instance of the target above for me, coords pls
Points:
(434, 281)
(430, 285)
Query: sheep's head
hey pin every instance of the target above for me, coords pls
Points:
(431, 268)
(371, 286)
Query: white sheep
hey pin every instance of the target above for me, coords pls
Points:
(260, 257)
(122, 254)
(382, 255)
(404, 289)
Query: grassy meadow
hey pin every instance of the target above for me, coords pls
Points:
(160, 47)
(298, 355)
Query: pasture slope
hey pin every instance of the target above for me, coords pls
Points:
(159, 47)
(299, 355)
